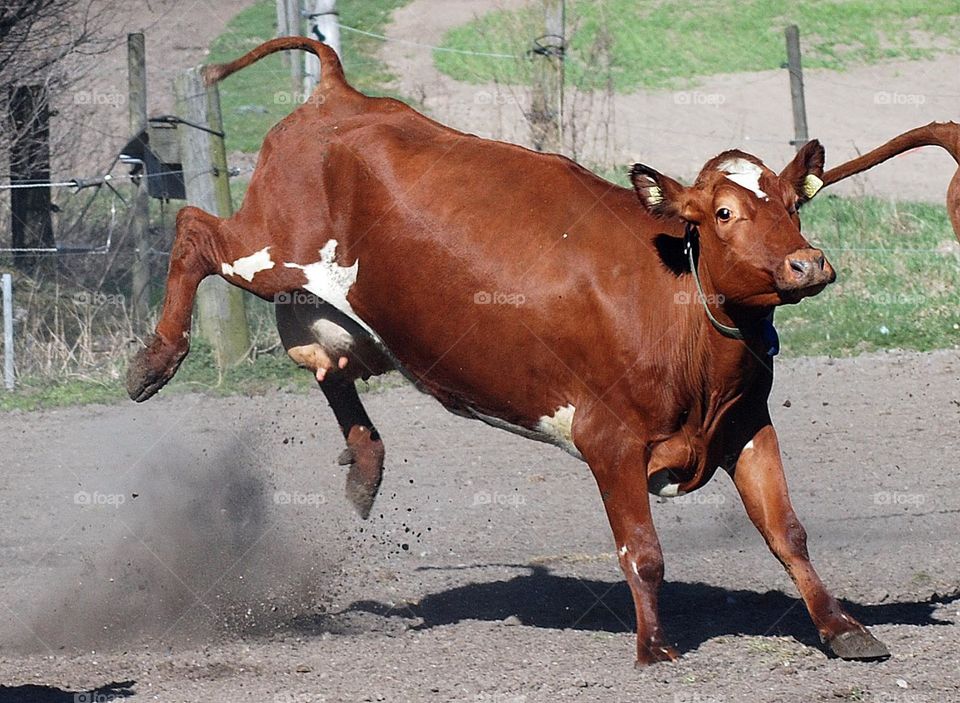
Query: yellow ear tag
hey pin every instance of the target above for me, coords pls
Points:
(811, 185)
(654, 195)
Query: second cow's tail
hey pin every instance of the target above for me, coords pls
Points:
(943, 134)
(331, 69)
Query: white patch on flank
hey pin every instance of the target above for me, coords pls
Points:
(623, 551)
(744, 173)
(748, 445)
(330, 281)
(553, 429)
(558, 429)
(249, 266)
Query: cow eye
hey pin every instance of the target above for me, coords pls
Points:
(724, 215)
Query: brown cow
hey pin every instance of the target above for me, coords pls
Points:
(628, 327)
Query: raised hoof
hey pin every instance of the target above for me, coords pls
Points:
(655, 654)
(153, 366)
(858, 644)
(364, 455)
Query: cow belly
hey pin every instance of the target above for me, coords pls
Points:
(318, 336)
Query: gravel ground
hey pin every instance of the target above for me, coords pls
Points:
(199, 549)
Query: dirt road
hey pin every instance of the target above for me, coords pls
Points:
(199, 549)
(677, 131)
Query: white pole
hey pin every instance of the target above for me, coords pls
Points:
(8, 331)
(324, 25)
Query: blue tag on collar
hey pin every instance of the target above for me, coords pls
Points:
(770, 336)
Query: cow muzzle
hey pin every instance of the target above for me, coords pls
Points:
(803, 273)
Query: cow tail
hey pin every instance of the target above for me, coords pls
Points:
(331, 69)
(943, 134)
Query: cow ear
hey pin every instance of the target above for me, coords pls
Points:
(805, 173)
(661, 195)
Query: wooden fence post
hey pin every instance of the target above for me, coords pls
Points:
(140, 215)
(294, 24)
(31, 223)
(223, 322)
(325, 27)
(801, 136)
(546, 110)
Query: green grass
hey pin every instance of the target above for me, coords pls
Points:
(256, 98)
(898, 273)
(631, 44)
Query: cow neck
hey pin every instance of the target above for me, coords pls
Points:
(764, 329)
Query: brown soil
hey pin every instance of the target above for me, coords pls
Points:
(211, 555)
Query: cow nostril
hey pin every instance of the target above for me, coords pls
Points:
(821, 262)
(801, 266)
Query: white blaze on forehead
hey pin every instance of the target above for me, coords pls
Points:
(744, 173)
(558, 429)
(330, 281)
(249, 266)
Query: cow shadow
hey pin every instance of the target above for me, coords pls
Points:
(692, 613)
(38, 693)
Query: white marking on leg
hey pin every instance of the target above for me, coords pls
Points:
(748, 445)
(671, 490)
(744, 173)
(249, 266)
(623, 551)
(558, 429)
(330, 281)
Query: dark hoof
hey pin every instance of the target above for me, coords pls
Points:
(655, 654)
(858, 644)
(364, 455)
(153, 366)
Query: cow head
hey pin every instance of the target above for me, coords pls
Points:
(751, 249)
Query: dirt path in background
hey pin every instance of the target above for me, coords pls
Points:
(178, 34)
(676, 132)
(196, 549)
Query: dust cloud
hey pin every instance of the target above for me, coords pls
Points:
(198, 547)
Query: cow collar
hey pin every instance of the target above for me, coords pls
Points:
(767, 331)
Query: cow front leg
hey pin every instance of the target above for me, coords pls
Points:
(364, 453)
(619, 465)
(759, 479)
(191, 260)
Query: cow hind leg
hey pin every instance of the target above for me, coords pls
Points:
(364, 453)
(190, 262)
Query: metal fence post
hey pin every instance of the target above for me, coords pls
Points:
(8, 331)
